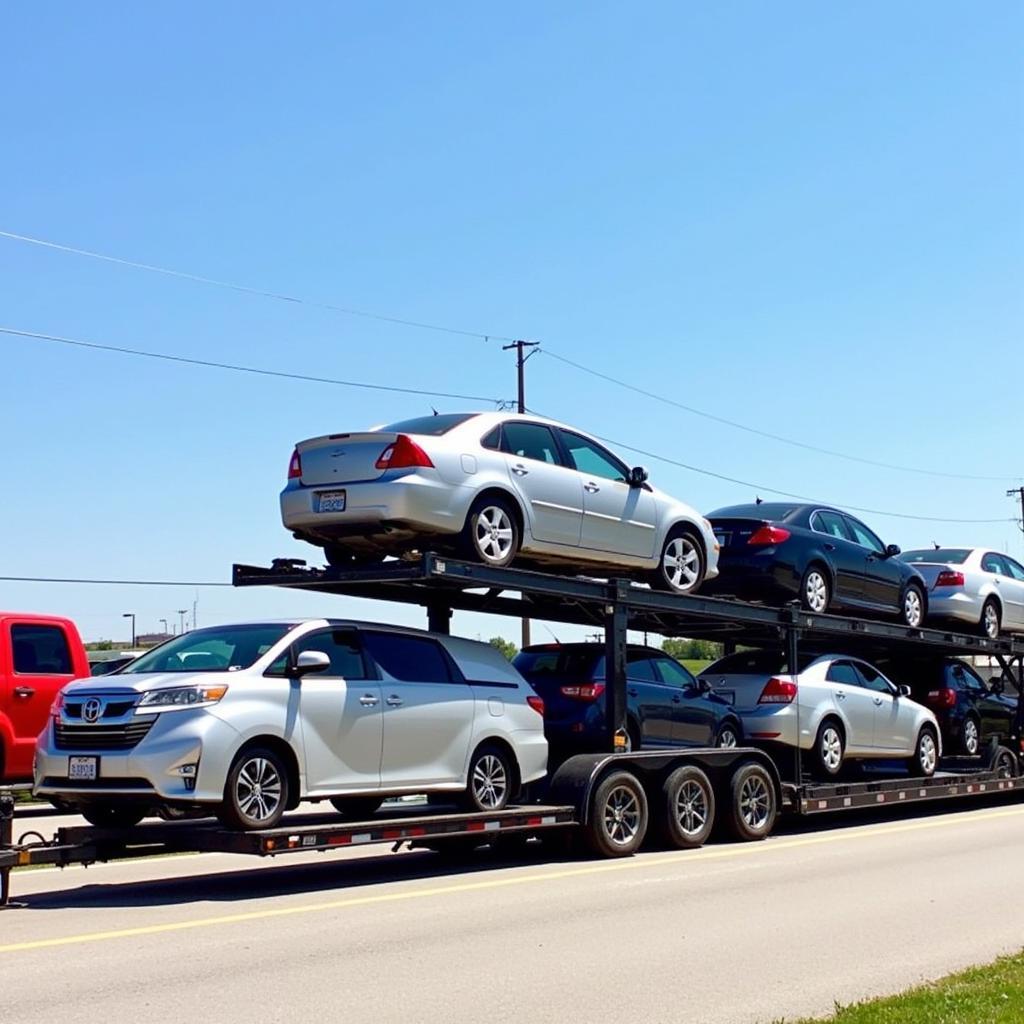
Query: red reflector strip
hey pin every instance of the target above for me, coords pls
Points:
(391, 833)
(339, 840)
(765, 735)
(417, 831)
(532, 821)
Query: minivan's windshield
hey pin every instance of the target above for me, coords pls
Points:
(218, 649)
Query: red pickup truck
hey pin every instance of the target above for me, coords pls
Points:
(39, 654)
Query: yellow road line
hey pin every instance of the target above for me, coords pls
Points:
(576, 871)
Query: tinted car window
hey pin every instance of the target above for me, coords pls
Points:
(873, 679)
(964, 679)
(529, 441)
(675, 674)
(411, 659)
(1016, 569)
(991, 562)
(432, 426)
(842, 672)
(954, 556)
(342, 646)
(639, 666)
(831, 523)
(755, 663)
(575, 662)
(40, 650)
(492, 439)
(217, 649)
(863, 536)
(591, 458)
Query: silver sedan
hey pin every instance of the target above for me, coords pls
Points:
(494, 487)
(974, 585)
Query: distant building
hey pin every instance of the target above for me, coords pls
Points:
(151, 639)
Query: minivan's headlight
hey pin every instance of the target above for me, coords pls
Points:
(177, 698)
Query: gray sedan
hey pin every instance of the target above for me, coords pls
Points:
(973, 585)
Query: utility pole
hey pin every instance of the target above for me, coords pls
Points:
(181, 619)
(520, 346)
(1018, 492)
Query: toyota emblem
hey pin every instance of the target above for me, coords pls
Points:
(92, 709)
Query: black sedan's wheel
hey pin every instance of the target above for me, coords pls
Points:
(912, 607)
(355, 808)
(753, 807)
(926, 754)
(256, 793)
(816, 590)
(618, 816)
(491, 534)
(113, 815)
(990, 620)
(682, 566)
(970, 737)
(688, 808)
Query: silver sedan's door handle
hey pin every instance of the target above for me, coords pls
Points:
(394, 701)
(878, 701)
(840, 695)
(520, 470)
(368, 700)
(591, 487)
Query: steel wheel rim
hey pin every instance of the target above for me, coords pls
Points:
(926, 752)
(490, 781)
(971, 736)
(831, 748)
(621, 816)
(727, 739)
(1004, 767)
(991, 621)
(691, 808)
(755, 802)
(816, 592)
(258, 789)
(493, 533)
(912, 608)
(680, 563)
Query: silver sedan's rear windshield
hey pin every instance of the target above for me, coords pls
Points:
(432, 426)
(954, 555)
(218, 649)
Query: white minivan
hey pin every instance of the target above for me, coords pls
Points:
(247, 720)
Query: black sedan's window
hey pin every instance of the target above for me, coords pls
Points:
(824, 521)
(863, 536)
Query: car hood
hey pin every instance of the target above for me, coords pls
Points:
(139, 682)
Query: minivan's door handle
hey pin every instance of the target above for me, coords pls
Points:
(368, 700)
(519, 469)
(394, 701)
(591, 488)
(23, 691)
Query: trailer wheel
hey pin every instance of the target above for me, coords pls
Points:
(355, 808)
(1005, 764)
(753, 807)
(113, 815)
(618, 816)
(688, 808)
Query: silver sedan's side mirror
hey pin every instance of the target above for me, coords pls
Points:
(311, 661)
(903, 690)
(637, 476)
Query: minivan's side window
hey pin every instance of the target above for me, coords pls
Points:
(40, 650)
(831, 523)
(410, 659)
(342, 646)
(863, 536)
(529, 441)
(843, 672)
(592, 459)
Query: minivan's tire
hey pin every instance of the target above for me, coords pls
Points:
(490, 780)
(355, 808)
(618, 816)
(753, 806)
(257, 790)
(491, 534)
(113, 815)
(682, 563)
(829, 748)
(687, 808)
(926, 754)
(729, 736)
(816, 590)
(912, 606)
(970, 737)
(990, 623)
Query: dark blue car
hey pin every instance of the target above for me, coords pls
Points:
(666, 706)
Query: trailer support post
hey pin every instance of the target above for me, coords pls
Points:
(6, 841)
(616, 620)
(439, 617)
(792, 653)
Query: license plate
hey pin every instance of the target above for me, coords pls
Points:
(83, 767)
(330, 501)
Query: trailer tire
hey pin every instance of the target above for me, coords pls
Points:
(618, 816)
(355, 808)
(688, 808)
(1005, 764)
(113, 815)
(753, 807)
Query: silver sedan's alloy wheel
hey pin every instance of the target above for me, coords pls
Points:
(680, 563)
(727, 739)
(493, 533)
(621, 816)
(990, 621)
(691, 809)
(913, 612)
(971, 738)
(831, 748)
(258, 789)
(816, 591)
(927, 754)
(755, 802)
(490, 781)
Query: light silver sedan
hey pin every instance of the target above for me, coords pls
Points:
(494, 487)
(974, 585)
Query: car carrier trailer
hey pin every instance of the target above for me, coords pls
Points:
(609, 801)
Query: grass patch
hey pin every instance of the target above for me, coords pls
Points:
(696, 665)
(981, 995)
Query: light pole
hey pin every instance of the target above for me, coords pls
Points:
(181, 614)
(164, 621)
(131, 615)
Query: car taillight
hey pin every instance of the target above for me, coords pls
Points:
(777, 691)
(295, 466)
(944, 698)
(949, 578)
(769, 534)
(537, 703)
(405, 453)
(583, 691)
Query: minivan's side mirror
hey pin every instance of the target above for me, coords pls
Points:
(892, 550)
(903, 690)
(311, 661)
(637, 476)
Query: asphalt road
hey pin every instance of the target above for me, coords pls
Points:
(730, 933)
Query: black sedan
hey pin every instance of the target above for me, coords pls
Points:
(830, 561)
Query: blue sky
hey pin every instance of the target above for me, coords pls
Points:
(803, 217)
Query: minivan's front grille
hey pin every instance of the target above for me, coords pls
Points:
(101, 737)
(112, 709)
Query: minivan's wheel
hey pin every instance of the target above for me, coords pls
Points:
(753, 806)
(688, 808)
(113, 815)
(990, 624)
(355, 808)
(728, 736)
(926, 753)
(491, 534)
(256, 792)
(828, 748)
(815, 590)
(970, 738)
(912, 608)
(682, 565)
(618, 816)
(490, 779)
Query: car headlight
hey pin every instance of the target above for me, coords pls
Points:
(178, 698)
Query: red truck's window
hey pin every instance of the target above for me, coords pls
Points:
(41, 650)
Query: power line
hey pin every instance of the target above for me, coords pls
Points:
(764, 433)
(211, 364)
(118, 583)
(248, 290)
